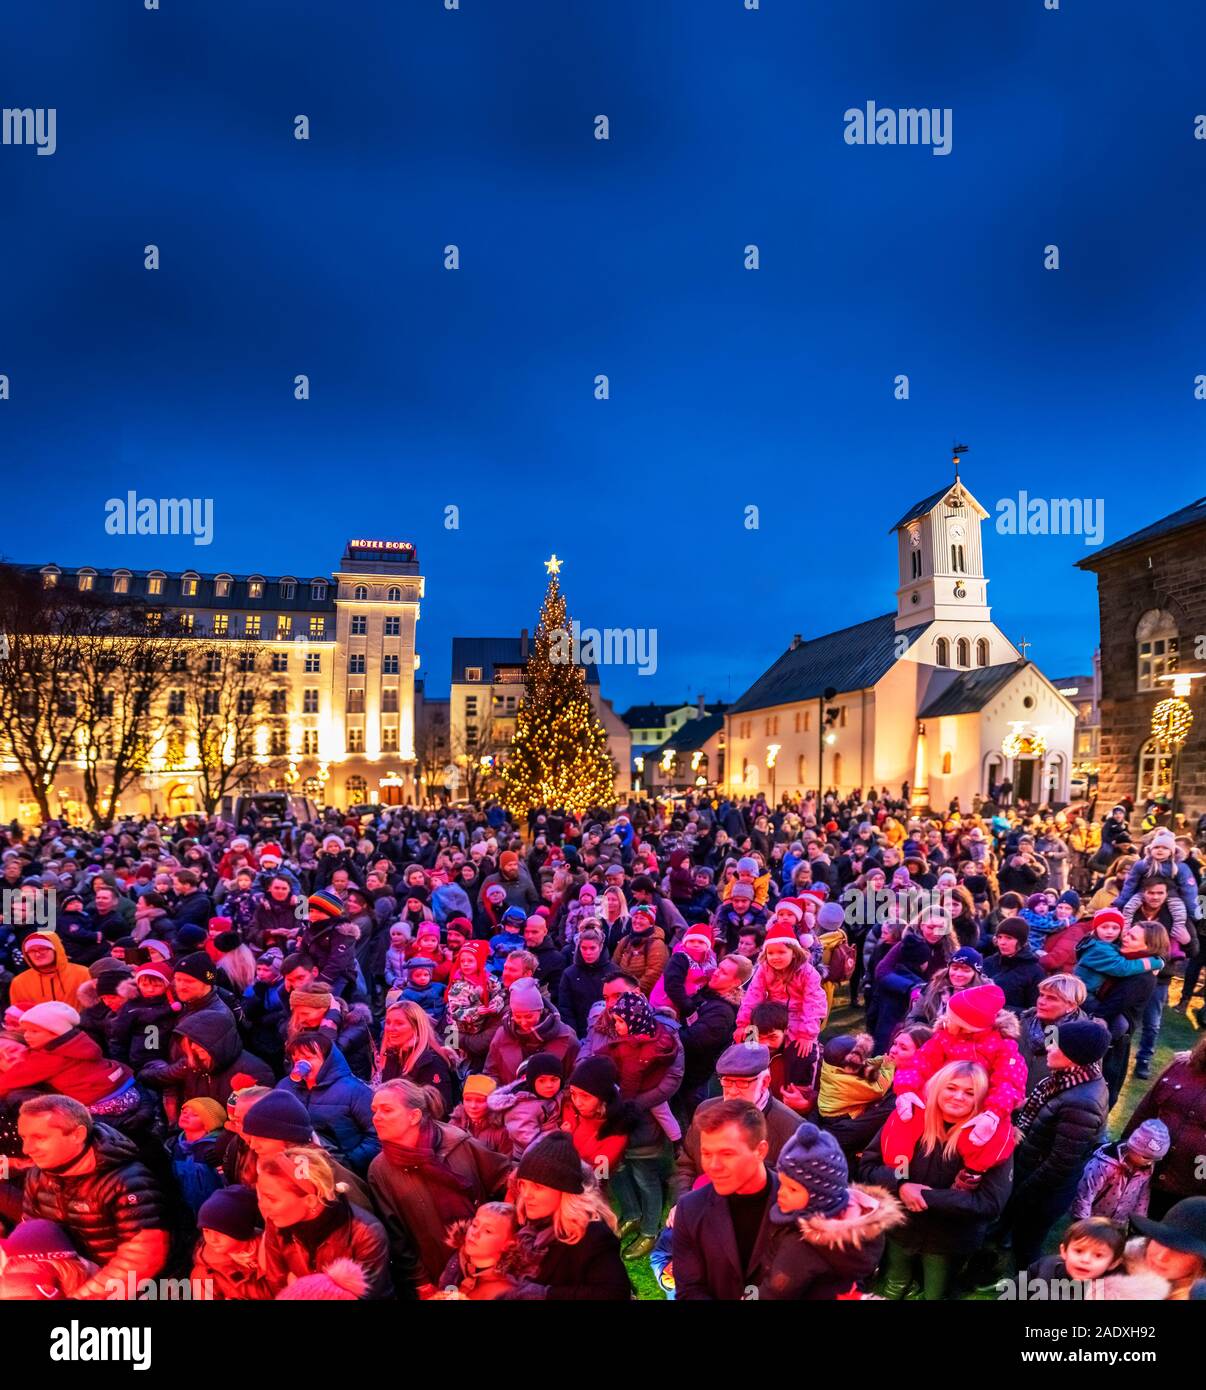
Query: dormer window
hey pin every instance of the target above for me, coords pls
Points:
(473, 673)
(255, 586)
(188, 585)
(288, 588)
(318, 590)
(86, 579)
(155, 582)
(393, 595)
(222, 586)
(121, 582)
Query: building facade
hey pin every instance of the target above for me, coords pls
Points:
(340, 648)
(1151, 593)
(933, 695)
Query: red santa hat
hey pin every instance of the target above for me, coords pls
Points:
(780, 934)
(271, 853)
(700, 935)
(792, 907)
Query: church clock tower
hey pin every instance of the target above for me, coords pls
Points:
(941, 561)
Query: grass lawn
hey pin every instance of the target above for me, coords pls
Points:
(1176, 1035)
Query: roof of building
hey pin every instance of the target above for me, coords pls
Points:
(1083, 683)
(649, 716)
(927, 504)
(853, 659)
(1192, 515)
(489, 653)
(970, 691)
(696, 732)
(172, 593)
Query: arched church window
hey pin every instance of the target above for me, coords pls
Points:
(942, 652)
(1157, 642)
(963, 652)
(982, 652)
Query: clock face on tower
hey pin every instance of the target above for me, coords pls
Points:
(915, 540)
(960, 591)
(957, 532)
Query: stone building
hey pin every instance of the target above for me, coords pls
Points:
(1151, 593)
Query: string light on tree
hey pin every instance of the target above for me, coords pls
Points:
(1172, 720)
(559, 755)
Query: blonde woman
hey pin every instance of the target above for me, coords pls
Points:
(950, 1206)
(567, 1229)
(308, 1222)
(410, 1049)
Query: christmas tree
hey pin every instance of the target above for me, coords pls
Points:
(559, 757)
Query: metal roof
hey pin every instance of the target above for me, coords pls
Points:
(853, 659)
(491, 652)
(970, 691)
(1193, 515)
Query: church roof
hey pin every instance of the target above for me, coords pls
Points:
(1193, 515)
(854, 658)
(927, 504)
(970, 691)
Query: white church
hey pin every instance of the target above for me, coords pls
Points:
(933, 694)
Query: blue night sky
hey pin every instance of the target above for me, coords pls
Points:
(728, 387)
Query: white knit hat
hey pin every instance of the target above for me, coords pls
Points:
(54, 1016)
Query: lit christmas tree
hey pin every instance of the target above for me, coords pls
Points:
(559, 757)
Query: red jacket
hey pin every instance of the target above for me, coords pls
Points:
(73, 1065)
(1059, 950)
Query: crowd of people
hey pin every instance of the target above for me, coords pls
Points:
(826, 1049)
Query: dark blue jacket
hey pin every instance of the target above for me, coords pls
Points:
(341, 1111)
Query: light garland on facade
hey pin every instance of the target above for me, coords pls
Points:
(1172, 720)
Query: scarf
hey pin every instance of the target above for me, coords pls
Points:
(1051, 1085)
(451, 1196)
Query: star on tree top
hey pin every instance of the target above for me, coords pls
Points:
(553, 565)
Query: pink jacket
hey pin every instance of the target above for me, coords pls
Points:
(807, 1005)
(997, 1055)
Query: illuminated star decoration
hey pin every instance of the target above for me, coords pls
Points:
(553, 565)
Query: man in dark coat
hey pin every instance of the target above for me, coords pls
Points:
(709, 1028)
(1015, 968)
(722, 1231)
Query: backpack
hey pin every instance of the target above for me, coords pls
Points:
(838, 956)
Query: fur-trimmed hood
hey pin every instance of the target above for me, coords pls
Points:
(88, 996)
(872, 1212)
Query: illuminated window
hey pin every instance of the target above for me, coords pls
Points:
(121, 582)
(188, 585)
(255, 586)
(1158, 648)
(389, 740)
(355, 740)
(222, 586)
(318, 627)
(284, 627)
(252, 624)
(86, 579)
(155, 583)
(310, 701)
(221, 624)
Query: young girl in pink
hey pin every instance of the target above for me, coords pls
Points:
(689, 968)
(785, 976)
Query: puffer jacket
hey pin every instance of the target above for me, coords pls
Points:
(830, 1256)
(114, 1214)
(526, 1115)
(581, 986)
(643, 954)
(215, 1031)
(1111, 1187)
(997, 1054)
(1017, 976)
(650, 1071)
(340, 1231)
(341, 1111)
(1052, 1155)
(509, 1048)
(72, 1064)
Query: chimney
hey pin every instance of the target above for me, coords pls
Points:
(699, 704)
(523, 645)
(796, 641)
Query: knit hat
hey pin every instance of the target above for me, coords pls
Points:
(542, 1064)
(190, 936)
(1036, 900)
(34, 1240)
(743, 1060)
(495, 892)
(227, 941)
(47, 940)
(635, 1011)
(420, 963)
(831, 917)
(325, 906)
(279, 1115)
(598, 1077)
(99, 967)
(792, 907)
(1084, 1042)
(1016, 928)
(110, 981)
(317, 993)
(232, 1211)
(525, 996)
(198, 966)
(212, 1112)
(1071, 897)
(744, 891)
(1151, 1140)
(747, 866)
(813, 1158)
(977, 1007)
(479, 1084)
(54, 1016)
(217, 925)
(700, 935)
(1108, 916)
(342, 1281)
(1165, 837)
(836, 1050)
(515, 918)
(967, 955)
(273, 956)
(508, 859)
(481, 950)
(552, 1161)
(161, 948)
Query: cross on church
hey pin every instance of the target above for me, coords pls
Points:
(1024, 646)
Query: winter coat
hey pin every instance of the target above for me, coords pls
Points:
(340, 1231)
(272, 923)
(332, 947)
(681, 978)
(998, 1056)
(265, 1004)
(197, 1165)
(650, 1068)
(341, 1111)
(509, 1048)
(781, 1125)
(1111, 1187)
(709, 1030)
(1099, 961)
(61, 982)
(114, 1214)
(1051, 1156)
(956, 1220)
(418, 1237)
(466, 1009)
(581, 986)
(215, 1031)
(1017, 976)
(1059, 949)
(243, 1283)
(826, 1257)
(526, 1115)
(643, 954)
(491, 1132)
(430, 1000)
(1175, 872)
(1033, 1043)
(1178, 1097)
(705, 1247)
(71, 1064)
(591, 1268)
(802, 992)
(729, 924)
